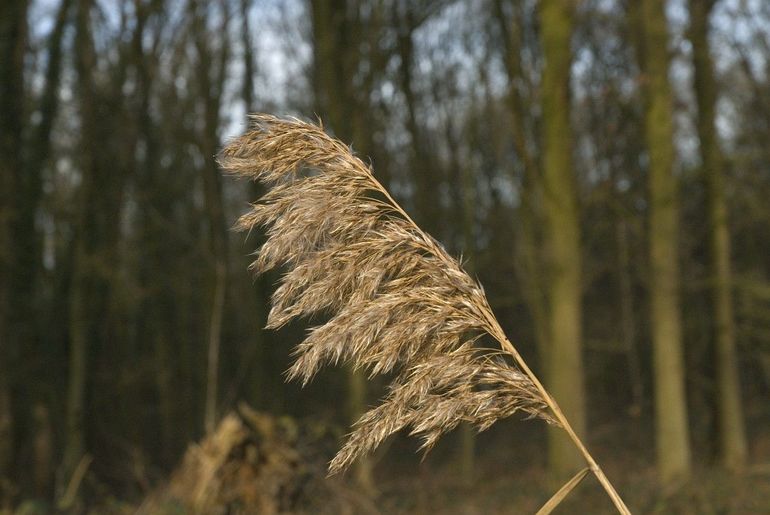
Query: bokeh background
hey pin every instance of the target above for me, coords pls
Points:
(603, 167)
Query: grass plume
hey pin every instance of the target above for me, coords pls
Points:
(397, 301)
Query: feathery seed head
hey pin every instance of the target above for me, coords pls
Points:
(399, 302)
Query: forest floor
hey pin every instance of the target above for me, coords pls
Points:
(505, 487)
(511, 482)
(510, 477)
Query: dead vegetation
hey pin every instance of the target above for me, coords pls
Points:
(253, 463)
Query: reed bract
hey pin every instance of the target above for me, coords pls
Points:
(397, 303)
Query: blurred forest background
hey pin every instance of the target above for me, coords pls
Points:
(603, 167)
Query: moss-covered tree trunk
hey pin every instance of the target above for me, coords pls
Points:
(671, 433)
(562, 237)
(732, 433)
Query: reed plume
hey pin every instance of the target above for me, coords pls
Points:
(397, 303)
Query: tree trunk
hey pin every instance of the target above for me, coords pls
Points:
(529, 268)
(672, 437)
(42, 451)
(464, 195)
(335, 62)
(331, 74)
(627, 319)
(468, 206)
(732, 433)
(27, 236)
(212, 74)
(13, 28)
(80, 322)
(157, 261)
(562, 238)
(261, 370)
(100, 198)
(249, 65)
(427, 200)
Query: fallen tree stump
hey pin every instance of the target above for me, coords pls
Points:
(250, 464)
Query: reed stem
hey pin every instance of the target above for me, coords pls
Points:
(557, 412)
(497, 332)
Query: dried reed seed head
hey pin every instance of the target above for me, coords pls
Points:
(440, 392)
(398, 302)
